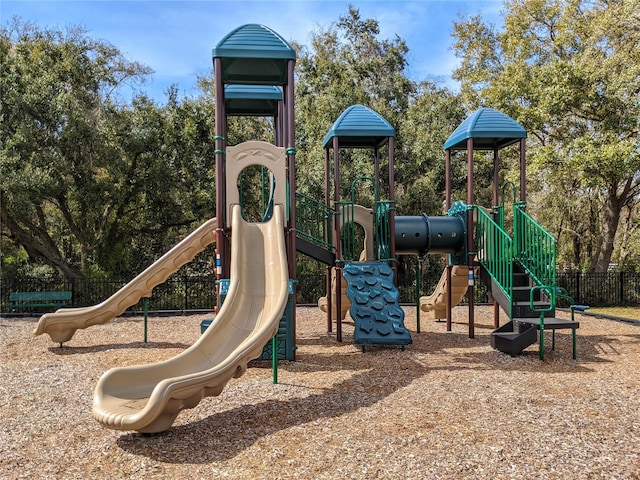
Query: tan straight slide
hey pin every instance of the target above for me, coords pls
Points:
(437, 301)
(62, 324)
(148, 398)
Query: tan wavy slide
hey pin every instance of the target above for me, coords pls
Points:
(62, 324)
(148, 398)
(437, 301)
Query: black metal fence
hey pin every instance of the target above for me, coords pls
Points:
(602, 289)
(197, 292)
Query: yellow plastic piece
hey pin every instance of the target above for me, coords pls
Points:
(344, 306)
(437, 301)
(255, 152)
(62, 324)
(363, 216)
(148, 398)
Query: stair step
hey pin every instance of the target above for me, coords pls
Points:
(523, 293)
(551, 323)
(514, 337)
(508, 335)
(521, 280)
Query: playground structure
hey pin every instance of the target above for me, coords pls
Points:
(253, 72)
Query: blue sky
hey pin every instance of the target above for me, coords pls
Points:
(175, 38)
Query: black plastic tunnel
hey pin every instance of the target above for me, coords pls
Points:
(429, 235)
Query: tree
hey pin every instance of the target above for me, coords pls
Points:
(434, 112)
(347, 64)
(569, 71)
(91, 185)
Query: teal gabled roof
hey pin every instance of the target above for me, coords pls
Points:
(490, 130)
(253, 54)
(359, 127)
(252, 100)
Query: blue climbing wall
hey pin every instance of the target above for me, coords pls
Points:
(375, 307)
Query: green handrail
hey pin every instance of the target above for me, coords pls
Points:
(314, 221)
(552, 294)
(535, 248)
(494, 250)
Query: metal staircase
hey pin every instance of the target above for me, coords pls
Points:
(520, 273)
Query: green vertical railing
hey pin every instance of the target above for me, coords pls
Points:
(534, 248)
(314, 221)
(495, 251)
(347, 231)
(382, 223)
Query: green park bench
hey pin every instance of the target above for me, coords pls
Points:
(35, 300)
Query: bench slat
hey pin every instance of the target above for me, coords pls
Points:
(39, 296)
(28, 300)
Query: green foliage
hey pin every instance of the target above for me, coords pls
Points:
(90, 184)
(569, 72)
(346, 64)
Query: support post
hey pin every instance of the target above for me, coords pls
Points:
(392, 214)
(274, 358)
(447, 200)
(470, 231)
(337, 242)
(418, 278)
(145, 306)
(291, 163)
(327, 201)
(523, 170)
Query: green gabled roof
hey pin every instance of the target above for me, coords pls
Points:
(253, 54)
(252, 100)
(490, 130)
(359, 127)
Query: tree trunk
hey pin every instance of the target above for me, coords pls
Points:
(39, 246)
(610, 221)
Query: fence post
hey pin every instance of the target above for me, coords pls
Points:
(621, 288)
(578, 293)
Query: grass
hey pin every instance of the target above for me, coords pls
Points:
(632, 313)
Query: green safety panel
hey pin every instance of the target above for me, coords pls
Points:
(490, 130)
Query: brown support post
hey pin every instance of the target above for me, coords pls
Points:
(523, 170)
(291, 162)
(277, 121)
(336, 229)
(470, 243)
(447, 186)
(448, 297)
(329, 299)
(496, 200)
(219, 145)
(392, 214)
(376, 168)
(327, 201)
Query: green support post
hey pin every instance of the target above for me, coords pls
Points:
(542, 336)
(274, 358)
(145, 304)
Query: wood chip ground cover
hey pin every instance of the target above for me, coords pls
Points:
(446, 407)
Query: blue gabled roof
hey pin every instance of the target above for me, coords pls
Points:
(490, 130)
(252, 100)
(359, 127)
(254, 54)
